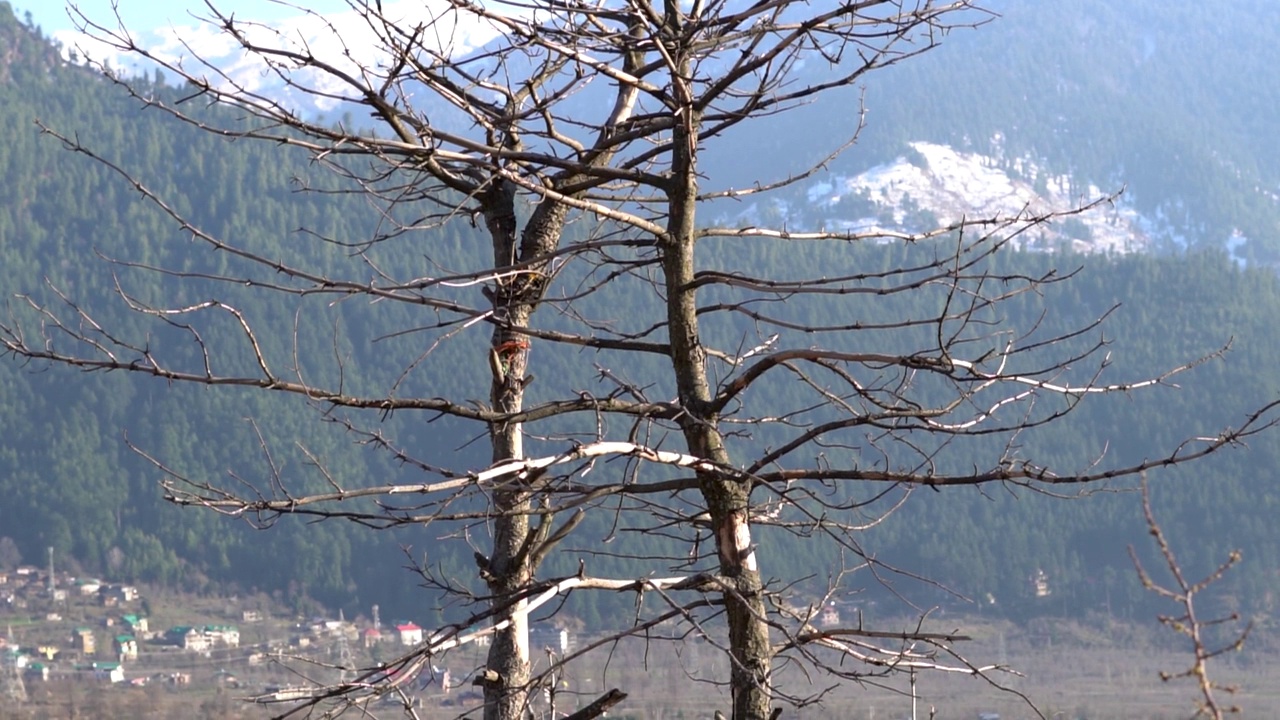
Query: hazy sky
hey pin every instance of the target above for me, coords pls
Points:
(51, 15)
(170, 30)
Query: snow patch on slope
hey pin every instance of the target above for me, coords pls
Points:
(938, 185)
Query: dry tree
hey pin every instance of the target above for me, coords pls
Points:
(1191, 622)
(570, 134)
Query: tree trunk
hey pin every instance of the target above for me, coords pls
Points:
(511, 569)
(727, 497)
(507, 571)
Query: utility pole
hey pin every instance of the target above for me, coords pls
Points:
(346, 664)
(914, 695)
(11, 685)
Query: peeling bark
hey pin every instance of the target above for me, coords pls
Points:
(506, 690)
(514, 560)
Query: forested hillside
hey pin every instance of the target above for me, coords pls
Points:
(69, 479)
(1171, 102)
(1166, 101)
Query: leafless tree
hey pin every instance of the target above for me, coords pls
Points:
(596, 113)
(1191, 622)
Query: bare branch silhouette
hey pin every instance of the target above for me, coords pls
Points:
(1190, 622)
(686, 400)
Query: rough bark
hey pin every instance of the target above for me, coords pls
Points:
(511, 567)
(727, 497)
(505, 685)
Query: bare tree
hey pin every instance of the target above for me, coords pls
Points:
(596, 114)
(1191, 622)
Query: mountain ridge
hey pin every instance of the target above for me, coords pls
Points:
(1107, 103)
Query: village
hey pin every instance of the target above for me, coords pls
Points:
(59, 632)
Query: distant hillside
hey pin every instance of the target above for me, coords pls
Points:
(69, 480)
(1172, 102)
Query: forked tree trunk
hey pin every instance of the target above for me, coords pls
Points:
(507, 571)
(510, 570)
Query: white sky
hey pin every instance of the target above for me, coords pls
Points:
(171, 30)
(51, 15)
